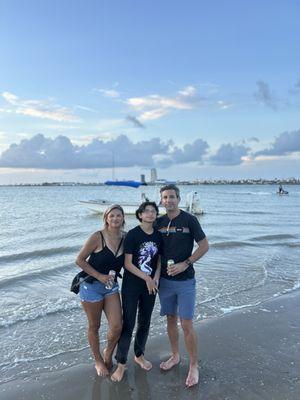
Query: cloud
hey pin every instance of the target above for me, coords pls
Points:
(296, 88)
(191, 152)
(61, 153)
(112, 93)
(265, 96)
(253, 139)
(154, 106)
(83, 108)
(284, 144)
(188, 91)
(135, 122)
(223, 105)
(153, 114)
(39, 108)
(229, 154)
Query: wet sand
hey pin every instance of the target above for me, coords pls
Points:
(253, 354)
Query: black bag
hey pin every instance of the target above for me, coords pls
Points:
(80, 277)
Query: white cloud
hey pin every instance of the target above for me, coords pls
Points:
(223, 105)
(10, 98)
(153, 114)
(44, 109)
(154, 106)
(188, 91)
(112, 93)
(85, 108)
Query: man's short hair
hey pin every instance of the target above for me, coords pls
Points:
(171, 186)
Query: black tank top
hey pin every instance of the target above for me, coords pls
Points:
(105, 260)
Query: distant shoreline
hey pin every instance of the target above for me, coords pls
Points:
(291, 181)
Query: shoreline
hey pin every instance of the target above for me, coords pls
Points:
(249, 354)
(238, 182)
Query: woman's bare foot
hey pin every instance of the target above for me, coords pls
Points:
(117, 376)
(101, 368)
(107, 360)
(143, 363)
(170, 363)
(193, 376)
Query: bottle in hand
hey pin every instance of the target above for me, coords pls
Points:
(169, 264)
(110, 283)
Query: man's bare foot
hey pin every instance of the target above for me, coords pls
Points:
(101, 368)
(170, 363)
(193, 376)
(117, 376)
(143, 363)
(107, 360)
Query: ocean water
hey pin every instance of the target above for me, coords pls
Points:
(254, 255)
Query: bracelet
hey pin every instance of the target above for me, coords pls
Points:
(188, 262)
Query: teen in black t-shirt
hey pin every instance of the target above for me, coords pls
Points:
(143, 246)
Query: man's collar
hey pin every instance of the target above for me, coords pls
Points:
(174, 216)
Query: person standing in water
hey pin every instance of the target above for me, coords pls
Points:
(140, 283)
(177, 288)
(103, 252)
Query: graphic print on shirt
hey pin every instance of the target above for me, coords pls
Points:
(147, 251)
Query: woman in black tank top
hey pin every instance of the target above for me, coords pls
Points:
(99, 292)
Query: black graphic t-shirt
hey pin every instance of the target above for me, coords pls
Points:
(145, 249)
(179, 235)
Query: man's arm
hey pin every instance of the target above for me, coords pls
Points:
(202, 248)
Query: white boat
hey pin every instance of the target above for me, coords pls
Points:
(99, 206)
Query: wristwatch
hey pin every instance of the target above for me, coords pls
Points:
(188, 262)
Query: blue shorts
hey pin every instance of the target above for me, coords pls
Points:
(96, 291)
(177, 297)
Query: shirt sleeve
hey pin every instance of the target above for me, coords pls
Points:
(129, 243)
(196, 229)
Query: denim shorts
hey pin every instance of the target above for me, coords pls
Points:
(96, 291)
(177, 297)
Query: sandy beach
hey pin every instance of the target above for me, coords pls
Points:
(251, 354)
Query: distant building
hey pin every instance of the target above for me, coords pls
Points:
(153, 175)
(143, 180)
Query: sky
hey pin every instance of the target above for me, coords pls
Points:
(196, 89)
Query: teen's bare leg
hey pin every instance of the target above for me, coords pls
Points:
(93, 312)
(190, 339)
(173, 334)
(113, 312)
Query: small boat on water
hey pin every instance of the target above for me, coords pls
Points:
(134, 184)
(282, 193)
(99, 206)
